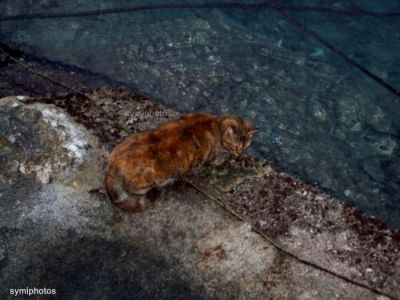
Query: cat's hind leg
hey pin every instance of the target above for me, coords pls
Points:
(131, 202)
(134, 203)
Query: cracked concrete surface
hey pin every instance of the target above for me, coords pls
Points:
(64, 233)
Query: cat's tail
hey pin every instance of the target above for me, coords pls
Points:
(118, 195)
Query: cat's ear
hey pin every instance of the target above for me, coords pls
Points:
(229, 131)
(251, 129)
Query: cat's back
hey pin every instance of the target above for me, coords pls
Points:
(169, 137)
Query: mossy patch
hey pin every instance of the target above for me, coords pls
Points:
(234, 171)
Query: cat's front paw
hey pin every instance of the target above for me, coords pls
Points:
(218, 161)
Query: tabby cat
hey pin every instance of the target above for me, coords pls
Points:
(154, 158)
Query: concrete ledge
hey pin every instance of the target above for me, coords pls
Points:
(63, 235)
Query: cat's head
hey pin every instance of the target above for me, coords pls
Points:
(236, 133)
